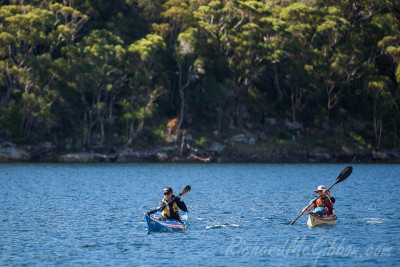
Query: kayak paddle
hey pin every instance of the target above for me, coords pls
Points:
(342, 176)
(184, 192)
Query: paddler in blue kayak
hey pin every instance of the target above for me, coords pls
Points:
(170, 206)
(324, 204)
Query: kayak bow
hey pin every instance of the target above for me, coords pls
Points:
(315, 220)
(155, 224)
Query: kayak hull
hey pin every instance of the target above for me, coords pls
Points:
(155, 224)
(315, 220)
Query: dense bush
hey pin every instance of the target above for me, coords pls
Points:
(112, 73)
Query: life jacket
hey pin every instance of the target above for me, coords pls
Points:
(326, 203)
(171, 211)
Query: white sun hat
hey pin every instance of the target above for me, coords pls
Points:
(320, 188)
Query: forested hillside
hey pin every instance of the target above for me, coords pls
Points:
(318, 75)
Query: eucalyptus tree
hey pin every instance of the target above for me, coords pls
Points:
(176, 28)
(382, 81)
(245, 34)
(391, 46)
(298, 70)
(97, 75)
(390, 43)
(189, 67)
(30, 36)
(375, 23)
(378, 88)
(335, 62)
(349, 55)
(146, 82)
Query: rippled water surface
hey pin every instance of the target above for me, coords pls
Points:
(75, 214)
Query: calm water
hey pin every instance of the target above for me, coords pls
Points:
(74, 214)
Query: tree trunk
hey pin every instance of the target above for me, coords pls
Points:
(182, 97)
(296, 98)
(132, 124)
(294, 101)
(141, 119)
(85, 128)
(375, 124)
(90, 126)
(100, 119)
(219, 122)
(395, 135)
(380, 133)
(182, 93)
(276, 83)
(329, 104)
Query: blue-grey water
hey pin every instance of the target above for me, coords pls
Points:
(92, 214)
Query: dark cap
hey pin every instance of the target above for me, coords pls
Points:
(168, 190)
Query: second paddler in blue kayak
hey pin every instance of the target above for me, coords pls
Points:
(170, 206)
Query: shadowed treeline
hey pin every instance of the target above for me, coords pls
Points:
(111, 74)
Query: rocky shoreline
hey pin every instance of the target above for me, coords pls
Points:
(10, 152)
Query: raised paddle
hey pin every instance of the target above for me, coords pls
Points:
(184, 192)
(342, 176)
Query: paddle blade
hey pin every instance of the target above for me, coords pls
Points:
(344, 174)
(186, 190)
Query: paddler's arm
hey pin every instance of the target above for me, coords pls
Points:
(161, 206)
(330, 197)
(310, 206)
(181, 204)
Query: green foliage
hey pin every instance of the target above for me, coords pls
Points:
(222, 64)
(357, 140)
(159, 133)
(11, 120)
(147, 47)
(201, 142)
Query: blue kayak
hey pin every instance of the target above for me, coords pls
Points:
(155, 224)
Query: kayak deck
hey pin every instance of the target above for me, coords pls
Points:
(315, 220)
(155, 224)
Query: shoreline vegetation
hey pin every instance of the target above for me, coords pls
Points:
(217, 153)
(199, 81)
